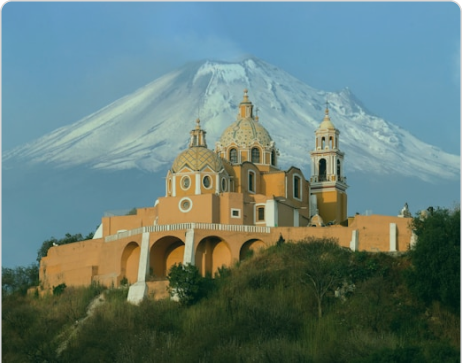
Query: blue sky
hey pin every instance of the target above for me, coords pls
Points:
(63, 61)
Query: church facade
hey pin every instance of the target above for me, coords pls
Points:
(219, 205)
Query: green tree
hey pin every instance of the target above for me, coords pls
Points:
(19, 279)
(185, 283)
(435, 269)
(325, 267)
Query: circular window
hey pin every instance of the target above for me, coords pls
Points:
(223, 185)
(185, 182)
(207, 181)
(185, 205)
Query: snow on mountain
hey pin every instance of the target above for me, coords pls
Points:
(148, 128)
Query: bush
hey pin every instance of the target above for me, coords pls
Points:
(185, 283)
(435, 271)
(19, 279)
(58, 290)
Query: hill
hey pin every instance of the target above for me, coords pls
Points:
(261, 310)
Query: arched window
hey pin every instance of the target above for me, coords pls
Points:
(323, 142)
(251, 181)
(338, 170)
(331, 146)
(273, 158)
(322, 170)
(255, 155)
(233, 156)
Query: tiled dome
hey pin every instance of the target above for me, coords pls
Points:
(245, 131)
(197, 158)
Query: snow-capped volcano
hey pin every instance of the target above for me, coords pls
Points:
(148, 128)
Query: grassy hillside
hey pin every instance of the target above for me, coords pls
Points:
(264, 309)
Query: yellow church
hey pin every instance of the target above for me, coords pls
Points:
(218, 205)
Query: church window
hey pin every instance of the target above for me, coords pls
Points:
(223, 185)
(185, 182)
(195, 140)
(260, 213)
(233, 156)
(322, 170)
(251, 181)
(207, 181)
(297, 183)
(255, 155)
(338, 169)
(185, 205)
(330, 143)
(235, 213)
(323, 142)
(273, 158)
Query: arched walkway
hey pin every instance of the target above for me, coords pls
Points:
(250, 247)
(129, 262)
(211, 254)
(164, 253)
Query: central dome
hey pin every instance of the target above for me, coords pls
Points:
(246, 130)
(197, 158)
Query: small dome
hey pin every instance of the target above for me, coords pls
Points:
(197, 158)
(245, 131)
(326, 124)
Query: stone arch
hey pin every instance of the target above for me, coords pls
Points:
(129, 262)
(251, 246)
(165, 253)
(212, 253)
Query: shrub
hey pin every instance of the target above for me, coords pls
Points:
(185, 283)
(58, 290)
(435, 271)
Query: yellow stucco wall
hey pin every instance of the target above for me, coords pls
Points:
(81, 263)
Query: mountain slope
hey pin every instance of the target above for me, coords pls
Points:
(148, 128)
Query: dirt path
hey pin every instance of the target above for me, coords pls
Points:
(72, 331)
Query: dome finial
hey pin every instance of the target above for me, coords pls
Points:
(198, 123)
(246, 97)
(326, 122)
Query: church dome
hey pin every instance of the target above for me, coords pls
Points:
(246, 129)
(197, 158)
(326, 124)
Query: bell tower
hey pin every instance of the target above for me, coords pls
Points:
(328, 181)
